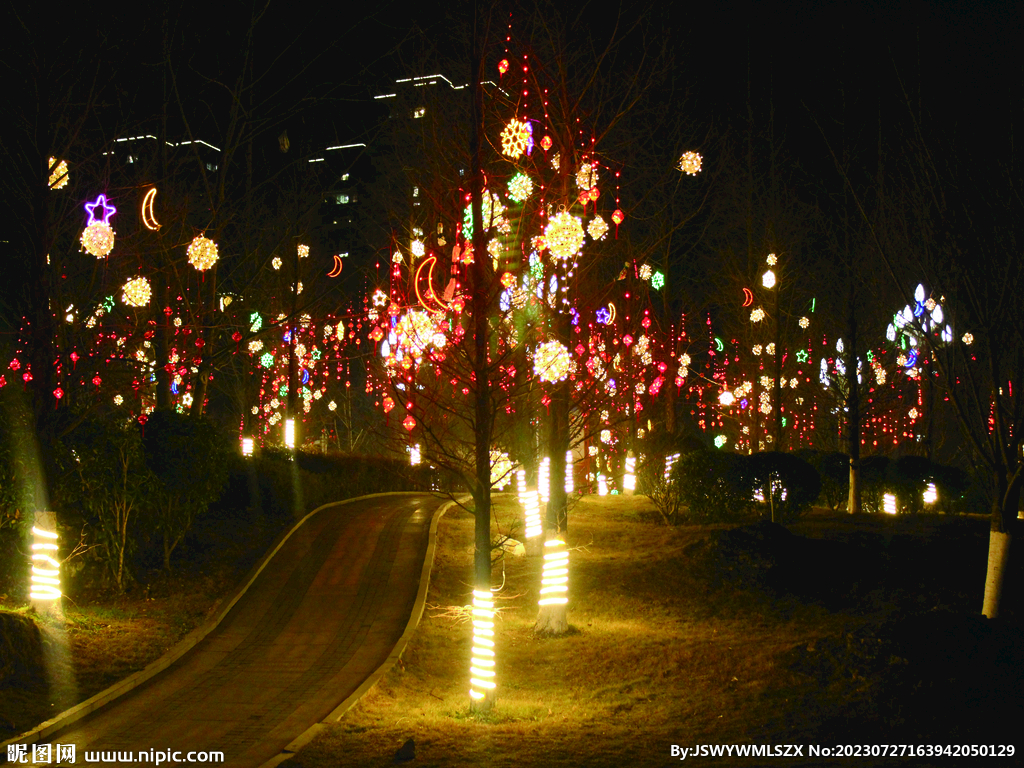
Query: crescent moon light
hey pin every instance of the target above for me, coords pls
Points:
(337, 267)
(748, 297)
(611, 308)
(430, 302)
(147, 211)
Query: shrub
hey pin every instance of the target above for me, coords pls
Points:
(834, 473)
(714, 486)
(873, 482)
(788, 483)
(664, 494)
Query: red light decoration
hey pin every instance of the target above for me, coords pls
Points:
(409, 422)
(545, 143)
(618, 216)
(503, 66)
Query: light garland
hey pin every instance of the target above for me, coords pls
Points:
(544, 479)
(202, 253)
(564, 235)
(554, 578)
(45, 581)
(569, 485)
(136, 292)
(690, 163)
(889, 504)
(531, 508)
(552, 361)
(482, 664)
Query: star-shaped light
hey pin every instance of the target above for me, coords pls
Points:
(802, 356)
(380, 298)
(106, 211)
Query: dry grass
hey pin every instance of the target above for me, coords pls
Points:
(652, 658)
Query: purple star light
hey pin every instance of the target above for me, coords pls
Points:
(107, 210)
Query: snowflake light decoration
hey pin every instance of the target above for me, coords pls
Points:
(520, 187)
(690, 163)
(757, 315)
(597, 228)
(646, 272)
(303, 251)
(517, 138)
(772, 260)
(968, 339)
(202, 253)
(657, 281)
(804, 322)
(564, 235)
(136, 292)
(551, 361)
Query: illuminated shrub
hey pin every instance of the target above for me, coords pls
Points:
(792, 482)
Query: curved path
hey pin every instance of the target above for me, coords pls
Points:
(323, 614)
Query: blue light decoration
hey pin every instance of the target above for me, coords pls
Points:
(574, 315)
(604, 316)
(287, 337)
(305, 376)
(174, 387)
(911, 359)
(744, 403)
(106, 211)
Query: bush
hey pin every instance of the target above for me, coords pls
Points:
(788, 483)
(714, 486)
(873, 482)
(664, 494)
(834, 473)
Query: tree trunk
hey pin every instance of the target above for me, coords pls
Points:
(853, 505)
(998, 555)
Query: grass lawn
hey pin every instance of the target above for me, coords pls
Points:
(701, 636)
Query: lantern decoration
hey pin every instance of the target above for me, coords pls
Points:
(202, 253)
(618, 216)
(517, 138)
(136, 292)
(58, 173)
(563, 235)
(520, 187)
(552, 361)
(586, 176)
(98, 237)
(409, 422)
(690, 163)
(503, 66)
(545, 143)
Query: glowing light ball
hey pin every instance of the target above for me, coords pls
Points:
(545, 143)
(804, 322)
(554, 580)
(598, 228)
(768, 279)
(520, 187)
(503, 66)
(646, 272)
(968, 339)
(202, 253)
(726, 398)
(552, 361)
(303, 251)
(772, 260)
(482, 664)
(564, 235)
(586, 176)
(517, 138)
(136, 292)
(98, 239)
(757, 315)
(501, 469)
(657, 281)
(618, 216)
(58, 174)
(690, 163)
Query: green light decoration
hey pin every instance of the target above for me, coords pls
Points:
(718, 344)
(316, 355)
(267, 360)
(257, 323)
(657, 281)
(520, 187)
(283, 391)
(870, 355)
(783, 421)
(108, 303)
(720, 441)
(802, 356)
(812, 305)
(536, 267)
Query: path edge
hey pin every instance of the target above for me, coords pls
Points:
(192, 639)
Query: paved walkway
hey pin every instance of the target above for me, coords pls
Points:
(319, 619)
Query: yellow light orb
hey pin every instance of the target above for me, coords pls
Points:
(98, 239)
(303, 251)
(551, 361)
(564, 235)
(586, 176)
(58, 173)
(690, 163)
(757, 315)
(202, 253)
(598, 228)
(136, 292)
